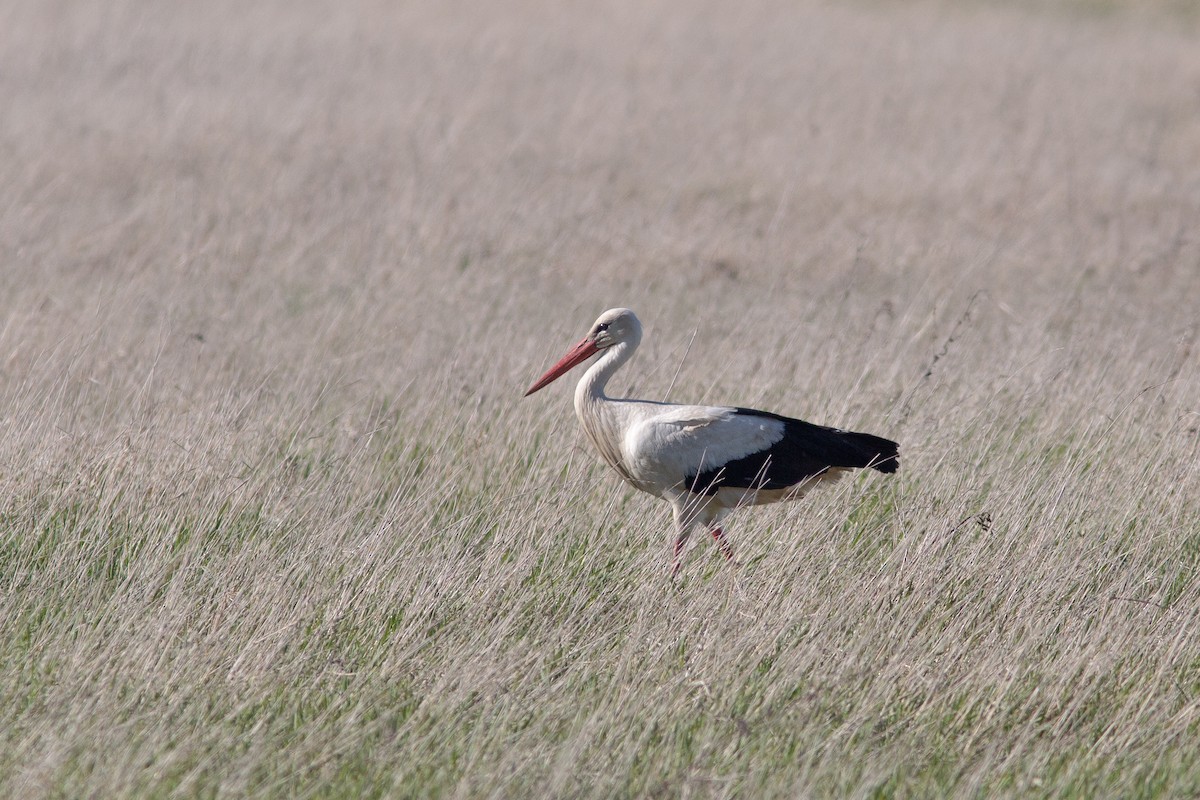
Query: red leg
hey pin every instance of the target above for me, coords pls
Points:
(723, 543)
(680, 540)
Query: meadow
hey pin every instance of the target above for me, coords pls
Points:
(275, 520)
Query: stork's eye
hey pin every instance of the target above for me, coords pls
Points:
(603, 326)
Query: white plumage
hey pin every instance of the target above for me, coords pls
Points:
(704, 460)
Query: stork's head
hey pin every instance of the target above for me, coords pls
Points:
(613, 327)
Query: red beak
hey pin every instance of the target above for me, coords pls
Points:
(575, 356)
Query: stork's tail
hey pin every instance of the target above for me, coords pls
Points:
(866, 450)
(805, 451)
(847, 449)
(817, 444)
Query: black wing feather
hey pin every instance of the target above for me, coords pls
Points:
(805, 451)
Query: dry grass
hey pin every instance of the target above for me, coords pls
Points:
(276, 521)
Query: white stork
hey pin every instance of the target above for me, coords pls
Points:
(703, 460)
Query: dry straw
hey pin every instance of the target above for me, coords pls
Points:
(276, 523)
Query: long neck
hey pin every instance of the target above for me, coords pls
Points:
(591, 385)
(597, 415)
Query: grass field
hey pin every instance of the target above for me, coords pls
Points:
(276, 521)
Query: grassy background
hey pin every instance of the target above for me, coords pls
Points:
(276, 522)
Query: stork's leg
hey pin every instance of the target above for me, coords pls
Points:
(696, 511)
(719, 537)
(677, 564)
(683, 529)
